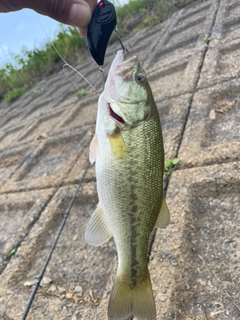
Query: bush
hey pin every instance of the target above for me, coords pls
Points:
(30, 66)
(14, 93)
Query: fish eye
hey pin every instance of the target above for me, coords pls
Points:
(140, 78)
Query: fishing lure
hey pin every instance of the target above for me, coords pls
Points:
(100, 28)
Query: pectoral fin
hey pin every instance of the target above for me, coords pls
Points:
(118, 146)
(93, 149)
(164, 216)
(97, 231)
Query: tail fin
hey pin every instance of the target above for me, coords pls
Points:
(126, 301)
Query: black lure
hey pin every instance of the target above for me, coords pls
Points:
(100, 28)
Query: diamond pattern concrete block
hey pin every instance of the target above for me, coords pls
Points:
(18, 213)
(173, 113)
(11, 159)
(82, 114)
(42, 126)
(9, 118)
(35, 111)
(76, 264)
(195, 261)
(173, 68)
(222, 60)
(10, 136)
(45, 306)
(212, 132)
(50, 163)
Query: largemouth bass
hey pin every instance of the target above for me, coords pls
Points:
(129, 155)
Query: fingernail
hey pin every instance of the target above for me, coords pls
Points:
(79, 15)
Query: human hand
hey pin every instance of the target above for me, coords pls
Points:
(77, 13)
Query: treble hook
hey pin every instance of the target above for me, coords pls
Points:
(100, 28)
(121, 43)
(103, 22)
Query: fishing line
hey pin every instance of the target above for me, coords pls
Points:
(66, 64)
(39, 278)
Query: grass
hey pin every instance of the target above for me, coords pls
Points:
(12, 253)
(170, 165)
(31, 66)
(207, 39)
(81, 93)
(14, 94)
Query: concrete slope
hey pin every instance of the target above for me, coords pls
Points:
(44, 141)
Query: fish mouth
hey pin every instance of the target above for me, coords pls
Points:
(125, 67)
(120, 59)
(114, 115)
(120, 66)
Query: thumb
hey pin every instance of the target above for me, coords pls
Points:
(77, 13)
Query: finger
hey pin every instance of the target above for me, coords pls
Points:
(92, 4)
(7, 6)
(83, 31)
(73, 12)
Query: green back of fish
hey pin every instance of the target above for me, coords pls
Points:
(129, 184)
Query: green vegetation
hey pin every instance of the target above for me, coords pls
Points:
(31, 66)
(12, 253)
(14, 93)
(81, 93)
(207, 39)
(170, 165)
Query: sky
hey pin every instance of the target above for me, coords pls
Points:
(22, 29)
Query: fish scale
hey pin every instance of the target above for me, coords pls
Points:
(129, 159)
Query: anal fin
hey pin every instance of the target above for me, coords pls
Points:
(97, 231)
(164, 215)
